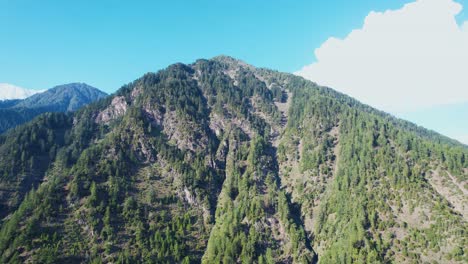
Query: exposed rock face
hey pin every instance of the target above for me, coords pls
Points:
(221, 162)
(154, 114)
(116, 109)
(184, 133)
(136, 92)
(219, 124)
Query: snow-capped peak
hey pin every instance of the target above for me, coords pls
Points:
(9, 91)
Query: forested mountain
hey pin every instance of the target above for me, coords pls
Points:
(8, 103)
(62, 98)
(221, 162)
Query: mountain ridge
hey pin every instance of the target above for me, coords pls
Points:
(233, 61)
(65, 97)
(202, 163)
(62, 98)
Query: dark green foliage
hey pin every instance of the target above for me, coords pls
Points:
(8, 103)
(378, 158)
(197, 163)
(26, 154)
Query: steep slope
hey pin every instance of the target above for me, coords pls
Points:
(219, 161)
(8, 103)
(62, 98)
(26, 155)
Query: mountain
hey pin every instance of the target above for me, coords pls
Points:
(219, 161)
(62, 98)
(8, 103)
(9, 92)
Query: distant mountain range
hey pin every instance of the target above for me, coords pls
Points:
(9, 92)
(62, 98)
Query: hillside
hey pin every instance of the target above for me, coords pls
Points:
(62, 98)
(219, 161)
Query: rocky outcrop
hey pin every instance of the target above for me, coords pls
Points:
(186, 134)
(117, 108)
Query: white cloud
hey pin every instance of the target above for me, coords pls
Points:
(464, 139)
(9, 91)
(400, 60)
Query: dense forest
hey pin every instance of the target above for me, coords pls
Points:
(222, 162)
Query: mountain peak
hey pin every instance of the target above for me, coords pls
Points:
(75, 85)
(70, 97)
(231, 61)
(61, 98)
(225, 58)
(218, 161)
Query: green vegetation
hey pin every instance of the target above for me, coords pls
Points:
(63, 98)
(202, 163)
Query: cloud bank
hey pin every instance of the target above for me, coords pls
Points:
(400, 60)
(9, 91)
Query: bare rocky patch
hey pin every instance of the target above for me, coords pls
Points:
(117, 108)
(448, 187)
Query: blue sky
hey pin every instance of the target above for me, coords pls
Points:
(110, 43)
(449, 120)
